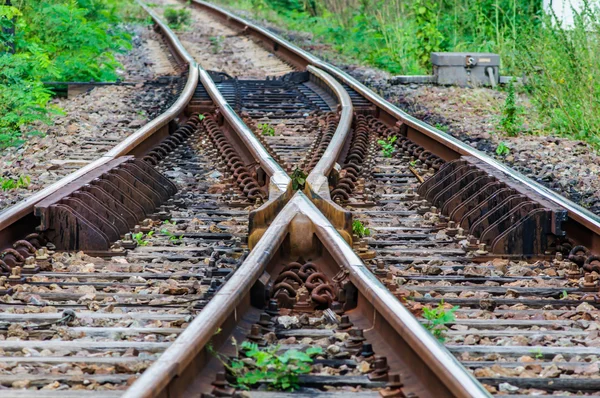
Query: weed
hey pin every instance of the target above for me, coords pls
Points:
(59, 40)
(429, 38)
(564, 295)
(8, 184)
(177, 18)
(442, 127)
(502, 149)
(387, 146)
(173, 238)
(537, 352)
(266, 129)
(139, 238)
(412, 163)
(264, 365)
(216, 43)
(359, 229)
(437, 318)
(298, 179)
(511, 121)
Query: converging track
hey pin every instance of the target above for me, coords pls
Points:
(234, 215)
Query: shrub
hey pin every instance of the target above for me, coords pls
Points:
(511, 121)
(397, 35)
(176, 18)
(60, 40)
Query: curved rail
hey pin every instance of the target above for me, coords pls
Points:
(317, 179)
(24, 208)
(419, 132)
(279, 181)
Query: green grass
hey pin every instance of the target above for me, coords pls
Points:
(397, 36)
(8, 184)
(437, 318)
(359, 229)
(177, 18)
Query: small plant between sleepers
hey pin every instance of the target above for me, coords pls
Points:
(298, 179)
(387, 146)
(359, 229)
(437, 318)
(176, 239)
(266, 129)
(139, 238)
(254, 365)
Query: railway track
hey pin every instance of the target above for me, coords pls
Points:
(166, 266)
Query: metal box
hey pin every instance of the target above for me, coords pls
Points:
(466, 69)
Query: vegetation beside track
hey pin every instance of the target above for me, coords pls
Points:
(397, 36)
(55, 40)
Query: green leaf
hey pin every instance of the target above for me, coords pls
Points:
(315, 350)
(237, 365)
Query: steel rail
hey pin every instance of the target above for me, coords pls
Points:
(279, 181)
(178, 357)
(317, 179)
(24, 208)
(175, 360)
(437, 357)
(429, 134)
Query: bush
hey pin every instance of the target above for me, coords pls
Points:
(63, 40)
(176, 18)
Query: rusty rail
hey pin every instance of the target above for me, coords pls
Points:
(582, 224)
(317, 179)
(170, 373)
(279, 181)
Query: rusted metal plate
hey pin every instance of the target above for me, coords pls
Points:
(110, 202)
(485, 205)
(535, 225)
(558, 213)
(490, 204)
(456, 174)
(464, 204)
(120, 196)
(496, 213)
(446, 169)
(450, 190)
(507, 221)
(102, 205)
